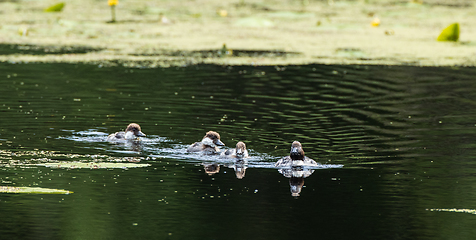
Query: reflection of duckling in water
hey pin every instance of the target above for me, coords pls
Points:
(296, 172)
(296, 177)
(211, 169)
(240, 168)
(296, 184)
(238, 152)
(295, 158)
(208, 145)
(133, 132)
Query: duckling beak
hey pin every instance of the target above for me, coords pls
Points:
(219, 143)
(294, 150)
(140, 134)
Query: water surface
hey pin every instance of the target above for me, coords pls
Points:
(394, 143)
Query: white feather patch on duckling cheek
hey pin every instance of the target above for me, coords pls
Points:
(208, 142)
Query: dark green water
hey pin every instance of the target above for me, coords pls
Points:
(396, 142)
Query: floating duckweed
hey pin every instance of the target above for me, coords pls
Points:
(92, 165)
(32, 190)
(471, 211)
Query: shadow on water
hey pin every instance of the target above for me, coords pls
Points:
(393, 143)
(6, 49)
(223, 52)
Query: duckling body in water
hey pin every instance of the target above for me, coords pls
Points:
(238, 152)
(296, 157)
(208, 145)
(132, 132)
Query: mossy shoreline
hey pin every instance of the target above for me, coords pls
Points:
(178, 33)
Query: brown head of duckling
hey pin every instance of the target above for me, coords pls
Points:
(135, 128)
(241, 150)
(296, 151)
(215, 137)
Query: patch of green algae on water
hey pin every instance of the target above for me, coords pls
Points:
(471, 211)
(32, 190)
(92, 165)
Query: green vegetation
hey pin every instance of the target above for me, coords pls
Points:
(92, 165)
(112, 4)
(32, 190)
(55, 8)
(450, 33)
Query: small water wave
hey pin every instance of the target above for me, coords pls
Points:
(156, 147)
(90, 135)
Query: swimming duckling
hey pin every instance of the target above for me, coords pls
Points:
(208, 145)
(238, 152)
(295, 158)
(132, 132)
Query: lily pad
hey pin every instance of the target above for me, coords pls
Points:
(450, 33)
(55, 8)
(32, 190)
(92, 165)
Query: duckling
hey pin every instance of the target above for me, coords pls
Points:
(238, 152)
(132, 132)
(295, 158)
(208, 145)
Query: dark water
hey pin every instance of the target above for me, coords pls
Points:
(395, 143)
(6, 49)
